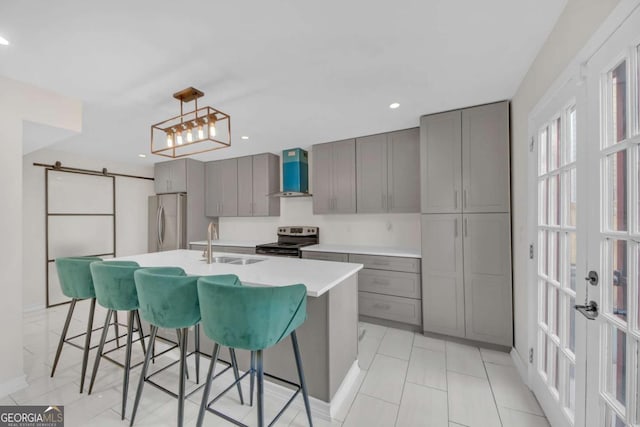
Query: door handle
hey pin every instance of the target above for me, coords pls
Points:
(455, 228)
(589, 310)
(592, 278)
(455, 199)
(466, 228)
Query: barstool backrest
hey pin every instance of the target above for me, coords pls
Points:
(114, 284)
(75, 276)
(167, 297)
(250, 317)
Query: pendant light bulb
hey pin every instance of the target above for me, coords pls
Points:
(179, 138)
(200, 132)
(169, 139)
(189, 135)
(212, 128)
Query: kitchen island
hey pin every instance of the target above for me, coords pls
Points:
(329, 337)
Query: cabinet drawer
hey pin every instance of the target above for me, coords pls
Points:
(405, 310)
(326, 256)
(394, 283)
(376, 262)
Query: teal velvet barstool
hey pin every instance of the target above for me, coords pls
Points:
(251, 318)
(168, 298)
(116, 290)
(76, 283)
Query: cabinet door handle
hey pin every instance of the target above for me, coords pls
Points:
(382, 306)
(455, 199)
(466, 228)
(381, 282)
(455, 228)
(464, 198)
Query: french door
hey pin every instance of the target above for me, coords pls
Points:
(585, 369)
(613, 230)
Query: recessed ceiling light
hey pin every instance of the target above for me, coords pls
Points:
(244, 137)
(3, 41)
(394, 105)
(142, 156)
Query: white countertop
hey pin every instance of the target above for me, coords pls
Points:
(238, 243)
(318, 276)
(365, 250)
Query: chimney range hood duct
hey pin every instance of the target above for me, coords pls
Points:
(295, 174)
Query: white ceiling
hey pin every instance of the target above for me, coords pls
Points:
(290, 73)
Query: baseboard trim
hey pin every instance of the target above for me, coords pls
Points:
(521, 367)
(13, 385)
(319, 408)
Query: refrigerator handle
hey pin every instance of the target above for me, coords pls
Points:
(158, 236)
(162, 225)
(179, 215)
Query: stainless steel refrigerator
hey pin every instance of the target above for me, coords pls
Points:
(167, 222)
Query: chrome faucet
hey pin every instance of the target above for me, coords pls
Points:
(212, 234)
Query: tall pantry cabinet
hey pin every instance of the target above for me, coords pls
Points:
(466, 231)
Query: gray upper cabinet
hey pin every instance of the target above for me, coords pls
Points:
(266, 181)
(465, 160)
(388, 172)
(485, 158)
(442, 274)
(403, 173)
(440, 156)
(245, 186)
(487, 277)
(333, 172)
(171, 176)
(221, 188)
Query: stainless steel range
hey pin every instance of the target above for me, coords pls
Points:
(290, 240)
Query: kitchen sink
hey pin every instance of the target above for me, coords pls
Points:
(234, 260)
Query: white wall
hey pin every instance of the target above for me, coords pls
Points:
(20, 102)
(579, 20)
(131, 213)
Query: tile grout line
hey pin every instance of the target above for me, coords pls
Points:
(492, 393)
(404, 383)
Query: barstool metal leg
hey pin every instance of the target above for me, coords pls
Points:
(127, 362)
(196, 339)
(117, 325)
(103, 338)
(179, 336)
(252, 377)
(72, 306)
(140, 331)
(207, 385)
(234, 365)
(260, 372)
(143, 374)
(303, 385)
(87, 343)
(183, 371)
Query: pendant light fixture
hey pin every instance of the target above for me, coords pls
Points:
(177, 137)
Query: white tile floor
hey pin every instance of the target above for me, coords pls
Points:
(406, 380)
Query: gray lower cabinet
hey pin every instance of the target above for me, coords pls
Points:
(389, 287)
(442, 274)
(221, 188)
(466, 276)
(326, 256)
(487, 278)
(333, 170)
(258, 177)
(388, 172)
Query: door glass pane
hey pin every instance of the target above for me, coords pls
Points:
(556, 317)
(613, 420)
(617, 365)
(553, 359)
(543, 198)
(549, 310)
(618, 257)
(554, 144)
(572, 142)
(573, 255)
(571, 339)
(570, 204)
(554, 200)
(542, 316)
(571, 387)
(618, 78)
(542, 158)
(553, 243)
(542, 258)
(617, 189)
